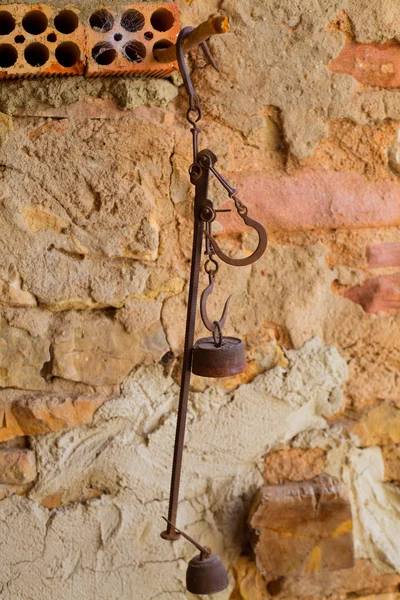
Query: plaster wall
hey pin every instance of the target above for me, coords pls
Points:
(95, 240)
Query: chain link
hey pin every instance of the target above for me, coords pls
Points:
(240, 207)
(211, 272)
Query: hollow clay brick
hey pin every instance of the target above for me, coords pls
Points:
(51, 66)
(121, 65)
(62, 48)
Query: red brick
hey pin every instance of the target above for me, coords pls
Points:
(314, 199)
(383, 255)
(379, 294)
(373, 65)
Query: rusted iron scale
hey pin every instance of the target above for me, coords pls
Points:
(216, 356)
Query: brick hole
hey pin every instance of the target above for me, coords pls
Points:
(104, 53)
(135, 52)
(52, 37)
(161, 44)
(36, 54)
(132, 20)
(118, 37)
(148, 35)
(8, 56)
(19, 39)
(101, 21)
(66, 21)
(162, 19)
(7, 22)
(68, 54)
(35, 22)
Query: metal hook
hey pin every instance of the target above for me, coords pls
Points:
(212, 326)
(247, 260)
(210, 58)
(194, 101)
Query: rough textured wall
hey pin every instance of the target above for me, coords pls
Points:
(291, 470)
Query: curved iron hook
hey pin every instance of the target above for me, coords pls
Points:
(194, 100)
(247, 260)
(212, 325)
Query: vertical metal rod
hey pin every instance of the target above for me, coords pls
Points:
(201, 182)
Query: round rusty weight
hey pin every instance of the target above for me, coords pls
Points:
(211, 360)
(206, 575)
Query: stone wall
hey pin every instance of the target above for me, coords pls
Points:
(291, 470)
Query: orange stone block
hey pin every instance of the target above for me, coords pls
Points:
(17, 466)
(33, 414)
(121, 41)
(304, 529)
(379, 426)
(293, 464)
(357, 582)
(40, 40)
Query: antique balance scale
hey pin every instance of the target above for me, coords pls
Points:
(217, 355)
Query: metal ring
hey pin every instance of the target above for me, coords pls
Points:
(218, 343)
(211, 214)
(242, 210)
(207, 268)
(193, 121)
(195, 171)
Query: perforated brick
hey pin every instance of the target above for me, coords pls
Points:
(37, 40)
(122, 41)
(40, 40)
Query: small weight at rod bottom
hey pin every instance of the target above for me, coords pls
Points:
(206, 575)
(209, 360)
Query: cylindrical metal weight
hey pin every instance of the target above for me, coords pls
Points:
(206, 575)
(209, 360)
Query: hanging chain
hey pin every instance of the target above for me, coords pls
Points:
(208, 212)
(211, 266)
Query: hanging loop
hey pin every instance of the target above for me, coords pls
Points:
(212, 326)
(217, 334)
(211, 268)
